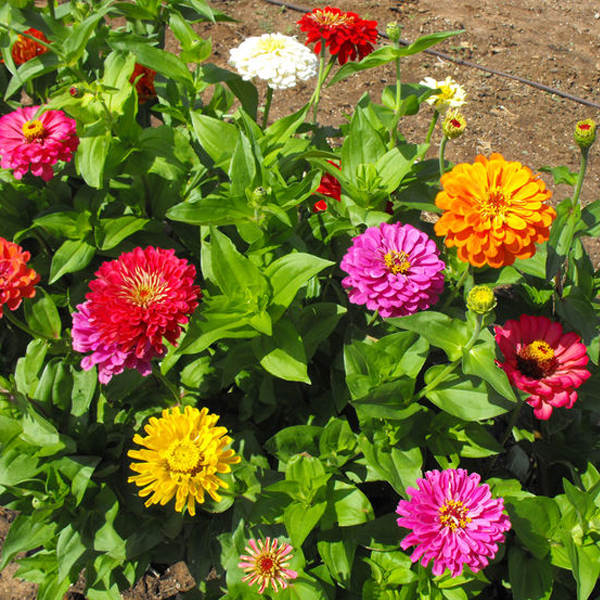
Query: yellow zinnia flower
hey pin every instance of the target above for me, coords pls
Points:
(183, 452)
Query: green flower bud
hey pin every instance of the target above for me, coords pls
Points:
(481, 299)
(454, 124)
(394, 31)
(585, 133)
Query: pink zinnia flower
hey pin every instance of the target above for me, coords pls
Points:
(454, 521)
(394, 269)
(38, 143)
(542, 361)
(135, 302)
(267, 562)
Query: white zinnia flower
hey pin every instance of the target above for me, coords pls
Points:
(278, 59)
(451, 94)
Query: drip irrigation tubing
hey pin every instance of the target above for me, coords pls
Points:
(463, 62)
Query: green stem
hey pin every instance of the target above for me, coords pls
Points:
(168, 385)
(457, 287)
(51, 8)
(442, 150)
(323, 73)
(396, 119)
(18, 323)
(582, 168)
(267, 106)
(436, 115)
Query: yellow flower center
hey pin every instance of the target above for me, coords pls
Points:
(328, 19)
(453, 514)
(143, 288)
(446, 92)
(396, 261)
(537, 360)
(495, 203)
(183, 456)
(33, 130)
(271, 45)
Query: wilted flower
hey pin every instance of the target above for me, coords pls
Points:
(143, 79)
(17, 280)
(495, 211)
(454, 521)
(135, 302)
(394, 269)
(278, 59)
(542, 361)
(25, 49)
(37, 143)
(181, 456)
(585, 133)
(453, 125)
(450, 95)
(346, 35)
(267, 562)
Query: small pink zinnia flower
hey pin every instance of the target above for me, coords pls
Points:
(542, 361)
(454, 521)
(135, 302)
(267, 563)
(394, 269)
(38, 143)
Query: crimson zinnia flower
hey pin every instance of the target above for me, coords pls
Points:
(267, 563)
(17, 280)
(25, 49)
(542, 361)
(143, 79)
(135, 302)
(330, 187)
(344, 33)
(454, 521)
(37, 143)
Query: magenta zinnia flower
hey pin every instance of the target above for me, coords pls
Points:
(394, 269)
(267, 563)
(135, 302)
(454, 521)
(38, 143)
(542, 361)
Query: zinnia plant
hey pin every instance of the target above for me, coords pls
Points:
(454, 521)
(36, 143)
(267, 562)
(182, 457)
(394, 269)
(17, 280)
(494, 211)
(542, 361)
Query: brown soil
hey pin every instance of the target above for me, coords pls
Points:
(553, 42)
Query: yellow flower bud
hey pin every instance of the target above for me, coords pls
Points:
(394, 31)
(585, 133)
(454, 124)
(481, 299)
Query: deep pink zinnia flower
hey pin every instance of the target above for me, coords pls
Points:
(266, 563)
(394, 269)
(454, 521)
(542, 361)
(136, 301)
(37, 143)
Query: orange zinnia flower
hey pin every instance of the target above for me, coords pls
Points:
(25, 49)
(17, 280)
(495, 211)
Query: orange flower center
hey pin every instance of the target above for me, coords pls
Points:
(453, 514)
(145, 288)
(396, 261)
(328, 19)
(537, 360)
(495, 203)
(585, 126)
(33, 130)
(266, 565)
(183, 456)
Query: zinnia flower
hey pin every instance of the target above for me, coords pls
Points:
(135, 302)
(394, 269)
(16, 279)
(267, 562)
(38, 143)
(542, 361)
(143, 79)
(451, 94)
(454, 521)
(495, 211)
(182, 455)
(278, 59)
(25, 49)
(329, 187)
(345, 33)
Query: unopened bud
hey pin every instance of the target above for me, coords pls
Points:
(481, 300)
(394, 31)
(258, 194)
(454, 124)
(585, 133)
(76, 91)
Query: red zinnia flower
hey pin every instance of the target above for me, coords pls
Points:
(345, 33)
(143, 78)
(16, 279)
(329, 187)
(542, 361)
(25, 49)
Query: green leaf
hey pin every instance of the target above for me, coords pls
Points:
(316, 323)
(212, 210)
(562, 175)
(42, 315)
(71, 257)
(25, 533)
(34, 67)
(338, 556)
(243, 168)
(66, 224)
(480, 362)
(300, 520)
(561, 236)
(585, 561)
(69, 550)
(91, 156)
(350, 505)
(111, 232)
(218, 138)
(75, 43)
(590, 215)
(293, 440)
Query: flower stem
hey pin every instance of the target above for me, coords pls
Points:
(582, 168)
(323, 72)
(436, 115)
(398, 104)
(442, 150)
(457, 287)
(168, 385)
(267, 106)
(18, 323)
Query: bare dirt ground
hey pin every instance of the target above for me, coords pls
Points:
(553, 42)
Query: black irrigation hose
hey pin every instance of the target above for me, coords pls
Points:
(465, 63)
